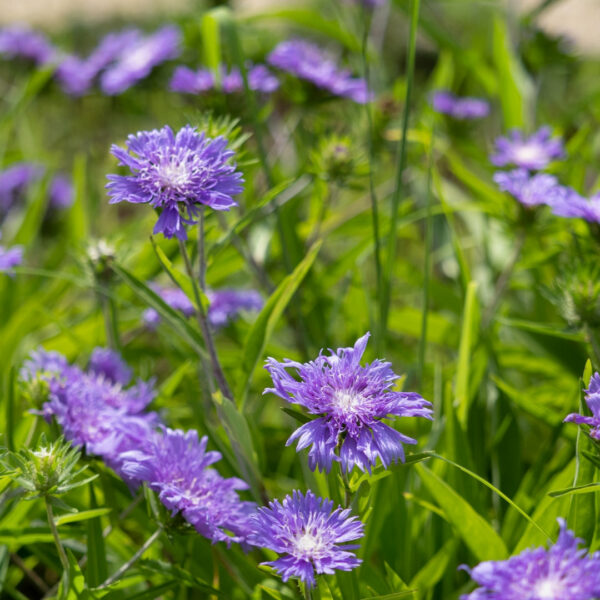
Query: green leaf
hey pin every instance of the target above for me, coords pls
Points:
(77, 217)
(84, 515)
(578, 489)
(265, 323)
(381, 472)
(211, 39)
(96, 568)
(154, 592)
(296, 414)
(476, 532)
(394, 596)
(541, 328)
(184, 577)
(34, 215)
(435, 568)
(463, 368)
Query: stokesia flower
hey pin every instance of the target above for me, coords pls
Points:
(532, 153)
(311, 537)
(566, 202)
(176, 173)
(529, 190)
(177, 466)
(23, 42)
(109, 364)
(459, 108)
(187, 81)
(592, 399)
(61, 192)
(563, 572)
(350, 400)
(308, 61)
(175, 298)
(137, 60)
(14, 182)
(225, 305)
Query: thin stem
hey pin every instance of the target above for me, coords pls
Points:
(109, 312)
(503, 280)
(201, 252)
(61, 551)
(204, 327)
(307, 593)
(347, 490)
(32, 575)
(372, 193)
(401, 165)
(131, 561)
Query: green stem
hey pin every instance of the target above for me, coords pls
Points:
(593, 341)
(61, 551)
(201, 252)
(401, 165)
(205, 328)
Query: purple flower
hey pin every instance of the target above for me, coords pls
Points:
(10, 258)
(61, 192)
(227, 304)
(177, 466)
(529, 190)
(563, 572)
(21, 41)
(351, 400)
(175, 298)
(532, 153)
(308, 61)
(459, 108)
(176, 173)
(311, 537)
(41, 362)
(192, 82)
(137, 60)
(14, 182)
(566, 202)
(592, 399)
(109, 364)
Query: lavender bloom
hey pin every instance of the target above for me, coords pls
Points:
(192, 82)
(10, 258)
(21, 41)
(42, 361)
(592, 399)
(137, 60)
(311, 536)
(351, 400)
(109, 364)
(175, 298)
(563, 572)
(14, 182)
(177, 173)
(177, 466)
(566, 202)
(532, 153)
(459, 108)
(530, 190)
(227, 304)
(61, 192)
(307, 61)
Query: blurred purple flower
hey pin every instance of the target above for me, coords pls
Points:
(177, 173)
(311, 537)
(228, 303)
(175, 298)
(23, 42)
(351, 401)
(459, 108)
(137, 60)
(192, 82)
(61, 192)
(563, 572)
(10, 258)
(14, 182)
(532, 153)
(109, 364)
(529, 190)
(592, 399)
(308, 61)
(42, 361)
(566, 202)
(177, 466)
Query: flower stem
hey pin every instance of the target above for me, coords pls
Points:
(131, 561)
(204, 327)
(201, 252)
(61, 551)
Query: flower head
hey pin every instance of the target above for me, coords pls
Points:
(10, 258)
(529, 190)
(563, 572)
(532, 153)
(311, 537)
(175, 298)
(459, 108)
(14, 181)
(592, 399)
(176, 173)
(308, 61)
(21, 41)
(225, 305)
(566, 202)
(61, 192)
(177, 466)
(137, 59)
(109, 364)
(351, 401)
(260, 79)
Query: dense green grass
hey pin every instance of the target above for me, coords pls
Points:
(502, 363)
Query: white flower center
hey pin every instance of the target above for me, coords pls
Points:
(308, 545)
(139, 56)
(528, 153)
(173, 174)
(347, 401)
(549, 589)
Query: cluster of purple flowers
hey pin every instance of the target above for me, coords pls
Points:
(350, 402)
(16, 179)
(308, 61)
(188, 81)
(19, 41)
(562, 572)
(462, 108)
(177, 174)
